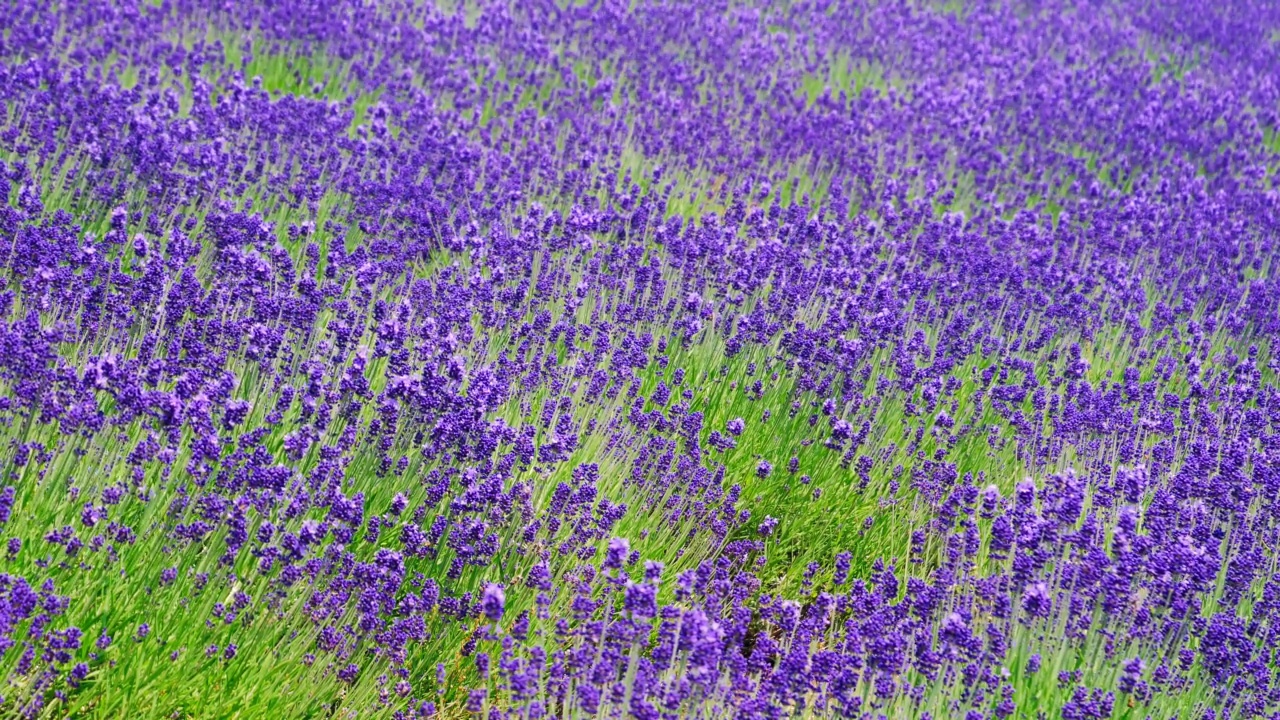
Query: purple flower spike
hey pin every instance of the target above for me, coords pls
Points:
(767, 527)
(492, 602)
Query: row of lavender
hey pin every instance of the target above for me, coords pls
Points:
(650, 359)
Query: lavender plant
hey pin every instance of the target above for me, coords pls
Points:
(639, 359)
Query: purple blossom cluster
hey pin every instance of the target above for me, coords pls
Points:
(651, 359)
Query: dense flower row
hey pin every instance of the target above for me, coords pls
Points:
(639, 359)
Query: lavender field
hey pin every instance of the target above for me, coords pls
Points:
(653, 359)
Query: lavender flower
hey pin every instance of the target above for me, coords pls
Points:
(492, 602)
(364, 311)
(767, 527)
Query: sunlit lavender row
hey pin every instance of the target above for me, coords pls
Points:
(554, 359)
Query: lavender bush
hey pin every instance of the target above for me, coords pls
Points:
(646, 359)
